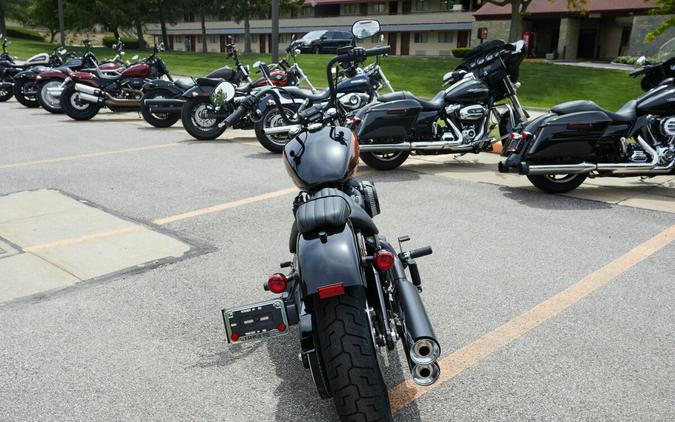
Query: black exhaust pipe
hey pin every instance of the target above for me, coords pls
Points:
(419, 335)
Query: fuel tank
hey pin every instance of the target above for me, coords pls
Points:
(321, 158)
(137, 70)
(359, 83)
(224, 72)
(659, 101)
(467, 91)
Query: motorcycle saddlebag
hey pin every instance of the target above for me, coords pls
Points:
(387, 120)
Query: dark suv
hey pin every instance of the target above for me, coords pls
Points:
(323, 41)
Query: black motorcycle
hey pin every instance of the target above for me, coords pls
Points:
(579, 139)
(347, 288)
(163, 100)
(9, 70)
(25, 82)
(486, 76)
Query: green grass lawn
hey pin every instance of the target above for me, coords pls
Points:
(543, 85)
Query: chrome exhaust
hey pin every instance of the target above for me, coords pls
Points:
(90, 98)
(425, 375)
(450, 146)
(6, 84)
(87, 89)
(280, 129)
(425, 351)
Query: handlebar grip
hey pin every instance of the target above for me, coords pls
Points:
(378, 51)
(417, 253)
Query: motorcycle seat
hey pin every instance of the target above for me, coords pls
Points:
(433, 104)
(331, 207)
(625, 114)
(183, 84)
(209, 81)
(301, 93)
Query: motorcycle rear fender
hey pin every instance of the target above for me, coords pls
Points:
(161, 83)
(85, 78)
(197, 91)
(52, 74)
(327, 258)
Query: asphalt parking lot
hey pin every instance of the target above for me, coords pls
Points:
(546, 307)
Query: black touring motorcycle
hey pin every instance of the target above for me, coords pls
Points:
(487, 75)
(579, 139)
(347, 288)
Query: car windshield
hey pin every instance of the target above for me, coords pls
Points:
(667, 50)
(314, 35)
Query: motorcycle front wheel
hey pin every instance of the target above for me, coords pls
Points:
(346, 348)
(272, 118)
(74, 107)
(199, 119)
(158, 119)
(557, 183)
(24, 93)
(385, 160)
(6, 93)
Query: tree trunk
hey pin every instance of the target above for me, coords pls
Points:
(3, 26)
(139, 34)
(116, 33)
(203, 20)
(516, 32)
(162, 22)
(52, 35)
(247, 34)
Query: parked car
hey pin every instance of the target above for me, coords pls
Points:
(323, 41)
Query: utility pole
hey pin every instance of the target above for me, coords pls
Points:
(275, 31)
(61, 24)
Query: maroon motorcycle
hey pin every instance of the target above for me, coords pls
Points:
(85, 93)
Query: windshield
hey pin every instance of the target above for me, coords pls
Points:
(314, 35)
(667, 50)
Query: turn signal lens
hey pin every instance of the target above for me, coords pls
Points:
(384, 260)
(277, 283)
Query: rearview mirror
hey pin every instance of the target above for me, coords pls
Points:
(365, 29)
(223, 93)
(641, 61)
(61, 51)
(297, 51)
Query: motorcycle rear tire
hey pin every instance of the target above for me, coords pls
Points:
(156, 120)
(74, 113)
(378, 163)
(6, 93)
(41, 92)
(26, 101)
(563, 185)
(194, 130)
(346, 348)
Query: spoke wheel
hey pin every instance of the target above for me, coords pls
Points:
(557, 183)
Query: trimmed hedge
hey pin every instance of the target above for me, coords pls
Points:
(129, 43)
(26, 34)
(460, 52)
(630, 60)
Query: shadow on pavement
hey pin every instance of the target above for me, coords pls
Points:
(544, 201)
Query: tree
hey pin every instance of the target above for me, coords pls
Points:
(203, 8)
(165, 11)
(12, 9)
(245, 10)
(519, 8)
(45, 13)
(666, 7)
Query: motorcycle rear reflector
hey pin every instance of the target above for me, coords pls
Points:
(580, 126)
(331, 291)
(396, 111)
(384, 260)
(234, 337)
(277, 283)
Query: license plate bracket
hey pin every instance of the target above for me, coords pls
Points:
(255, 321)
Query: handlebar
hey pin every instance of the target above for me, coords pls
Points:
(417, 253)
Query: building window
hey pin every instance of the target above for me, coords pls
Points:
(214, 39)
(445, 36)
(422, 5)
(378, 8)
(308, 11)
(350, 9)
(421, 37)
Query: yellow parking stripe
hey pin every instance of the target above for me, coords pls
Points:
(456, 362)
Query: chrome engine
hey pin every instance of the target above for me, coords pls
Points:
(667, 126)
(468, 120)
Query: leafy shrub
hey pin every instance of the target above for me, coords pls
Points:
(129, 43)
(26, 34)
(460, 52)
(630, 60)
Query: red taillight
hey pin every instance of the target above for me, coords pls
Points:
(234, 337)
(384, 260)
(277, 283)
(281, 327)
(515, 136)
(331, 291)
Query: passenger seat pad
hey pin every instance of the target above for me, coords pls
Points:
(324, 211)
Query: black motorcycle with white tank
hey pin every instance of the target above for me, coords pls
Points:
(347, 287)
(459, 119)
(578, 139)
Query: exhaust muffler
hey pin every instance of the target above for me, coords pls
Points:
(443, 145)
(6, 85)
(425, 375)
(281, 129)
(90, 98)
(87, 89)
